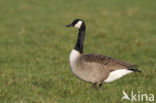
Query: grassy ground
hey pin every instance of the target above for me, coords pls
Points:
(35, 45)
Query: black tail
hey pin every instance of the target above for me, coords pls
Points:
(135, 69)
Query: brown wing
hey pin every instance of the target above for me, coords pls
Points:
(110, 63)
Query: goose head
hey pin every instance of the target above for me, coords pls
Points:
(77, 23)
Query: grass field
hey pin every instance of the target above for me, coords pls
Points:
(35, 45)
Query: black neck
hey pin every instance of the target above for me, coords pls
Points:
(80, 40)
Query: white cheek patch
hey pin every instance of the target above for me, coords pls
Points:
(78, 25)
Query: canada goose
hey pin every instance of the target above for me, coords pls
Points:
(94, 68)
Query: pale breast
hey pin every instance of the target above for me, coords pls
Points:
(73, 57)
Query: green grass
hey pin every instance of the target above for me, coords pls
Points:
(35, 45)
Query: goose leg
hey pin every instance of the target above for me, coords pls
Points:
(100, 86)
(94, 85)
